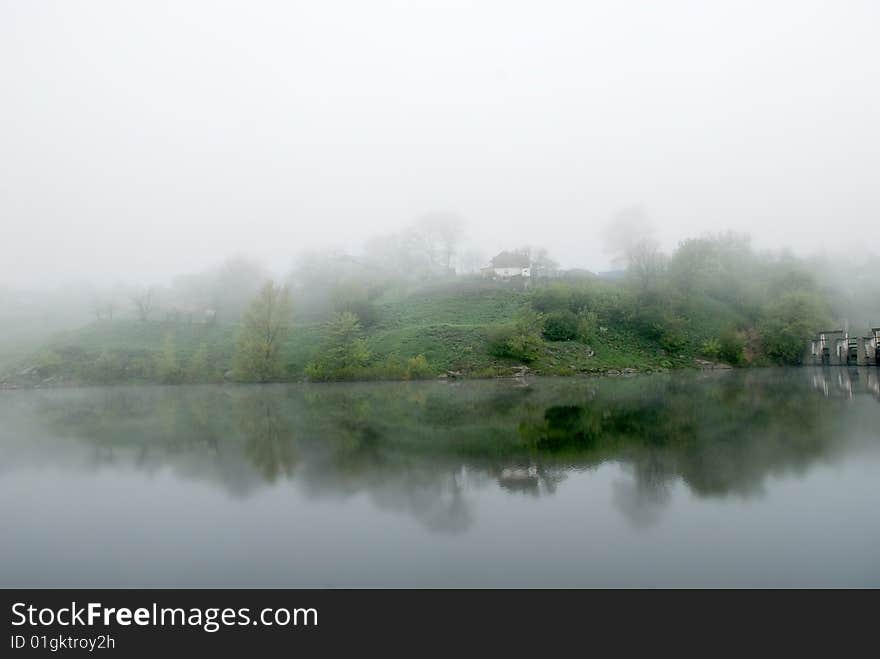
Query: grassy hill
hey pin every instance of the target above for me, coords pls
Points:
(449, 325)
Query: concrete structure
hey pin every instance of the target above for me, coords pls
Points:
(839, 348)
(825, 348)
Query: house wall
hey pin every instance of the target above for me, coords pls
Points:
(510, 272)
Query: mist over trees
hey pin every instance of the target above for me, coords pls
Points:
(263, 330)
(713, 296)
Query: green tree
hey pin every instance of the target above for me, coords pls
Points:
(787, 326)
(200, 368)
(344, 350)
(167, 367)
(264, 327)
(731, 348)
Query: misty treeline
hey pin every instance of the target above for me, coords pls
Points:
(335, 315)
(714, 297)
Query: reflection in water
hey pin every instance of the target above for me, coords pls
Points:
(847, 382)
(425, 448)
(759, 477)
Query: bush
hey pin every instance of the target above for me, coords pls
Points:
(108, 368)
(786, 323)
(417, 367)
(561, 326)
(673, 333)
(200, 367)
(731, 347)
(344, 351)
(552, 297)
(711, 348)
(521, 340)
(167, 367)
(588, 323)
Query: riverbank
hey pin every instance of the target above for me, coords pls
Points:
(445, 333)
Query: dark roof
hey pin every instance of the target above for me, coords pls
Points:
(511, 260)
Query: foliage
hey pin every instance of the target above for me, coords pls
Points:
(693, 302)
(344, 350)
(713, 296)
(711, 348)
(520, 340)
(561, 326)
(587, 324)
(264, 326)
(417, 367)
(201, 366)
(168, 369)
(731, 347)
(355, 298)
(787, 325)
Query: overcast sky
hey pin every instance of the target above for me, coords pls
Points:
(143, 138)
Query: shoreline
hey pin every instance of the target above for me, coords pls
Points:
(523, 375)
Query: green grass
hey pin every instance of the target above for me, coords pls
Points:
(446, 324)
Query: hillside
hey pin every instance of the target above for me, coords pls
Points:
(449, 325)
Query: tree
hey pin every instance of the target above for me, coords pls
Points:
(436, 237)
(167, 367)
(627, 228)
(200, 368)
(264, 326)
(789, 320)
(539, 258)
(144, 301)
(344, 350)
(561, 326)
(646, 264)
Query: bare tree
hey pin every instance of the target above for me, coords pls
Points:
(144, 301)
(471, 260)
(436, 237)
(104, 307)
(645, 263)
(629, 231)
(539, 259)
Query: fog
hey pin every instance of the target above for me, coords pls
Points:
(142, 140)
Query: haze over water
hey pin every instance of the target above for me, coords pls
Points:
(747, 478)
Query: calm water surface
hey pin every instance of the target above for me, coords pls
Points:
(761, 478)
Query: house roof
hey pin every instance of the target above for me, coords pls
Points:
(511, 260)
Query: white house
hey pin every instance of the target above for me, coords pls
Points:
(507, 265)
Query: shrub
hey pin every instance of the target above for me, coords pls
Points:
(786, 323)
(167, 367)
(521, 340)
(200, 368)
(561, 326)
(107, 368)
(552, 297)
(417, 367)
(588, 323)
(711, 348)
(344, 350)
(731, 347)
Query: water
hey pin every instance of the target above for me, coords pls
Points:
(753, 478)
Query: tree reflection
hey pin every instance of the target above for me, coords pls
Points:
(269, 439)
(426, 448)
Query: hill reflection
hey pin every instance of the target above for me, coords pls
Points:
(420, 448)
